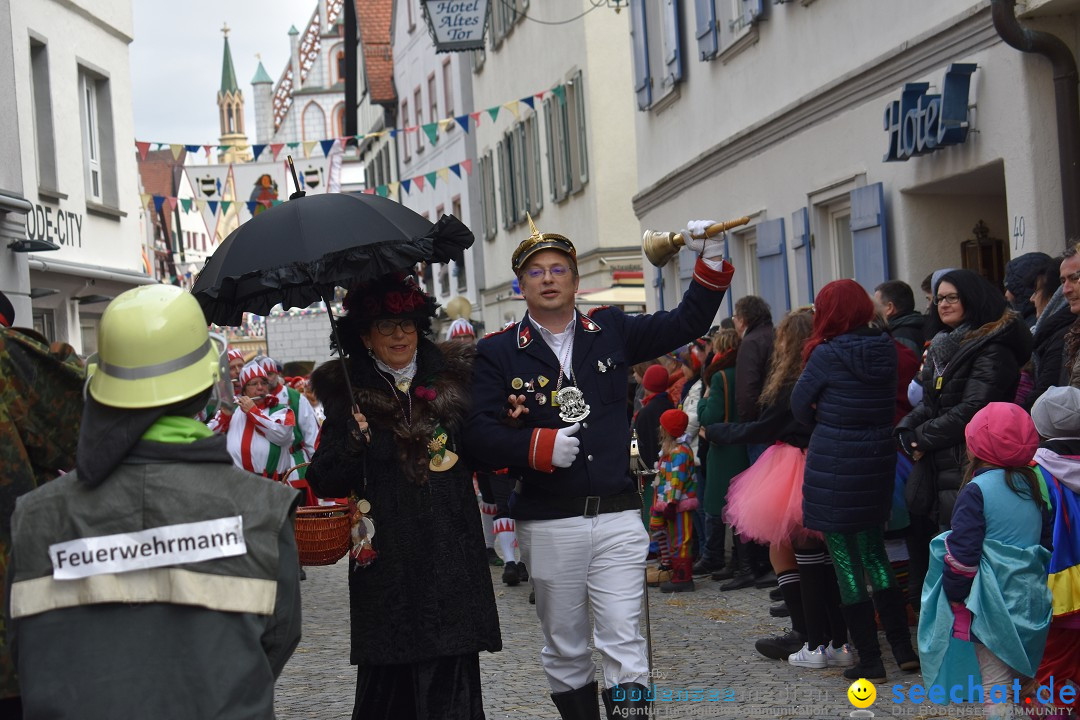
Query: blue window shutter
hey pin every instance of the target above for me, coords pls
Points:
(672, 43)
(772, 267)
(804, 263)
(705, 15)
(639, 36)
(869, 243)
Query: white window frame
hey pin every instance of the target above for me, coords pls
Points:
(433, 100)
(556, 144)
(41, 105)
(91, 138)
(419, 110)
(406, 156)
(827, 204)
(487, 195)
(448, 89)
(842, 248)
(753, 271)
(738, 24)
(532, 164)
(578, 136)
(669, 39)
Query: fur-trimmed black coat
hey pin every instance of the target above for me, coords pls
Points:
(428, 594)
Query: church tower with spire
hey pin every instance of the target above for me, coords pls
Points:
(231, 112)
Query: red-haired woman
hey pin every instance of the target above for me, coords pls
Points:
(848, 388)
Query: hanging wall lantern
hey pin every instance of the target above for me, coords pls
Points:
(456, 25)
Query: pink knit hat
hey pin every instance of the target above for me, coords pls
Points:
(655, 379)
(1002, 434)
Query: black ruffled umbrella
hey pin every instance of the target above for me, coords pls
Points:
(296, 253)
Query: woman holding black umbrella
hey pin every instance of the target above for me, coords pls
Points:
(424, 607)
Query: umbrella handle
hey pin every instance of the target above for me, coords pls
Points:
(295, 180)
(344, 365)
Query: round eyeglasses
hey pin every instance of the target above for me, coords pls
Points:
(388, 327)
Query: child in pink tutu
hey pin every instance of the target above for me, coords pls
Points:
(676, 500)
(764, 503)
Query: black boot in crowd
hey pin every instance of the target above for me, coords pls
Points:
(578, 704)
(514, 573)
(862, 627)
(743, 576)
(892, 609)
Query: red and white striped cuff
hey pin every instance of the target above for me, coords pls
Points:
(711, 278)
(541, 449)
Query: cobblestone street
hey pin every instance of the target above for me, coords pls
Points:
(702, 640)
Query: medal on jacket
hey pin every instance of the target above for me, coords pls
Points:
(570, 399)
(572, 405)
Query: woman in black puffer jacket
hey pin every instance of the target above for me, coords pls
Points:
(978, 348)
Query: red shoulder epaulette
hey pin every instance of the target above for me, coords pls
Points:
(493, 333)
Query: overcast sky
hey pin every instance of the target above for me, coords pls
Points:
(176, 61)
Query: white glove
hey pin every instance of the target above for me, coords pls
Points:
(709, 248)
(566, 446)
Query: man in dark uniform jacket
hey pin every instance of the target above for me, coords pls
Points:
(577, 507)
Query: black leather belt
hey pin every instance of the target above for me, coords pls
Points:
(593, 505)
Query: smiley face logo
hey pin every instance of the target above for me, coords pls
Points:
(862, 693)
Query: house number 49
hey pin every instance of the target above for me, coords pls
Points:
(1018, 232)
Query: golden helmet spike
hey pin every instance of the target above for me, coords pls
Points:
(533, 232)
(538, 241)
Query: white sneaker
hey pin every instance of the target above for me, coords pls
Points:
(808, 658)
(840, 657)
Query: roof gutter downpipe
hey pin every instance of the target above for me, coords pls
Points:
(1067, 103)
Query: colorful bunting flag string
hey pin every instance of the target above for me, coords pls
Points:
(431, 130)
(390, 189)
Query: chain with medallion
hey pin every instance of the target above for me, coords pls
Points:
(572, 405)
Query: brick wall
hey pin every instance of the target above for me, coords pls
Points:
(299, 337)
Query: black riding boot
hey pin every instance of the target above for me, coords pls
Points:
(863, 631)
(891, 606)
(578, 704)
(628, 700)
(744, 571)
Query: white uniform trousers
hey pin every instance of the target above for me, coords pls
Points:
(576, 562)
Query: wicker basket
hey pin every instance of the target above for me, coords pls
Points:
(322, 531)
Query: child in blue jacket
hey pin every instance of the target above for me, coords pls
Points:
(986, 606)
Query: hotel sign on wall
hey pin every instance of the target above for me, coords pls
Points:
(920, 123)
(457, 25)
